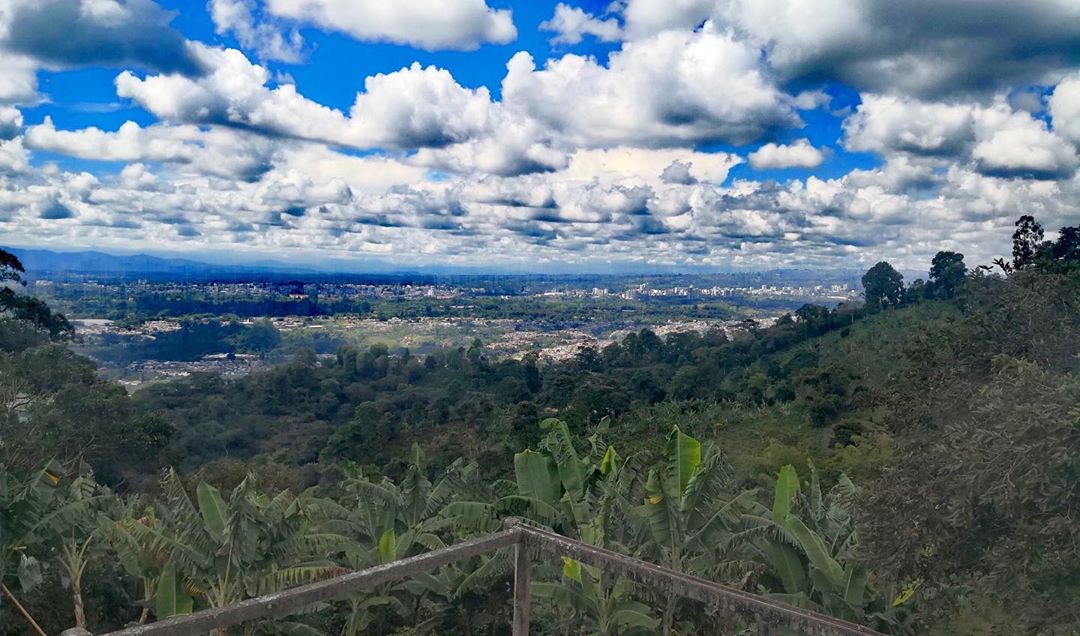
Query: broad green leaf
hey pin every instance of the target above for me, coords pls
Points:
(418, 457)
(571, 569)
(427, 583)
(814, 548)
(388, 546)
(659, 510)
(572, 470)
(610, 461)
(536, 476)
(788, 566)
(802, 599)
(212, 509)
(684, 453)
(549, 423)
(855, 587)
(170, 600)
(654, 490)
(787, 485)
(630, 618)
(127, 549)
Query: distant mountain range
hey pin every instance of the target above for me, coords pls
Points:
(41, 263)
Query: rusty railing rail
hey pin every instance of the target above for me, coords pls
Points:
(529, 543)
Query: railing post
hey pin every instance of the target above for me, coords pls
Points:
(522, 594)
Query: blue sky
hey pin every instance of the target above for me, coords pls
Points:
(744, 134)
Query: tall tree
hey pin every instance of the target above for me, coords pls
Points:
(1067, 247)
(11, 269)
(883, 286)
(947, 271)
(1026, 241)
(27, 308)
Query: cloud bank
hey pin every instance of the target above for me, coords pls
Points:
(962, 116)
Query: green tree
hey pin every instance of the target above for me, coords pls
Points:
(11, 268)
(947, 272)
(1027, 241)
(27, 308)
(883, 286)
(1067, 245)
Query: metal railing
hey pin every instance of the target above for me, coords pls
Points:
(529, 543)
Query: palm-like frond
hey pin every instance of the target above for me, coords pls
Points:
(492, 569)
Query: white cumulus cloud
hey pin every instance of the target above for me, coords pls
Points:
(920, 48)
(798, 155)
(572, 24)
(426, 24)
(671, 89)
(1065, 108)
(238, 17)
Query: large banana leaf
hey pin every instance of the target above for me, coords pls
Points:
(634, 615)
(705, 488)
(684, 455)
(610, 462)
(483, 577)
(170, 600)
(212, 508)
(127, 548)
(660, 512)
(388, 546)
(815, 550)
(571, 569)
(787, 485)
(573, 472)
(855, 586)
(788, 566)
(537, 476)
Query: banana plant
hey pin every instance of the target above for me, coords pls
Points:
(590, 601)
(804, 540)
(24, 502)
(221, 551)
(53, 514)
(578, 494)
(463, 597)
(581, 494)
(392, 520)
(145, 561)
(689, 512)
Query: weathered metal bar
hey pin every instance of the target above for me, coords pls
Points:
(750, 606)
(293, 600)
(522, 593)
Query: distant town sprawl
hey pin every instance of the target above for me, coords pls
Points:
(141, 331)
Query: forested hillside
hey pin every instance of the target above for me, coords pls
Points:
(923, 444)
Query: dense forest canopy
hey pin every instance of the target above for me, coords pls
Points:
(923, 444)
